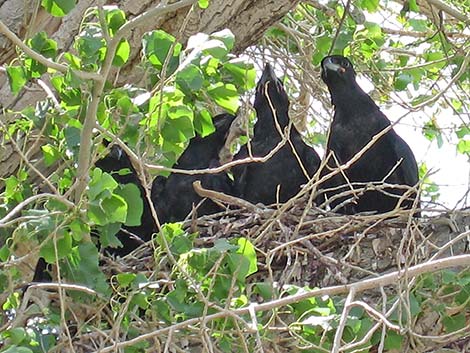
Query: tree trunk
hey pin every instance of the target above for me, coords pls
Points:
(247, 19)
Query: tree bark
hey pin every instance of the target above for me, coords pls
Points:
(247, 19)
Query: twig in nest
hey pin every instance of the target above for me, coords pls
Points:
(237, 129)
(221, 197)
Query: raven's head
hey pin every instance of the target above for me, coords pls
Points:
(336, 70)
(270, 88)
(222, 123)
(271, 96)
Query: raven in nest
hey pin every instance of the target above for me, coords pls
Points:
(130, 236)
(374, 179)
(174, 197)
(281, 176)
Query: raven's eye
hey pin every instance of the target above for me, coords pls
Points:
(346, 64)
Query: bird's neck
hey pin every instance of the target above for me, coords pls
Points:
(269, 126)
(350, 97)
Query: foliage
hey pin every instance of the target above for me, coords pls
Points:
(185, 85)
(413, 61)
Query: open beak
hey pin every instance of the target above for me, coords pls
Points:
(329, 65)
(268, 75)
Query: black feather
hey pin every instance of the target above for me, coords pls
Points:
(357, 119)
(174, 197)
(259, 182)
(130, 236)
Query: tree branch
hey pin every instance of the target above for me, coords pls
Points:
(90, 119)
(385, 280)
(43, 60)
(449, 10)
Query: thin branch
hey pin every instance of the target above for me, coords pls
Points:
(29, 200)
(43, 60)
(221, 197)
(90, 119)
(342, 321)
(385, 280)
(462, 70)
(449, 10)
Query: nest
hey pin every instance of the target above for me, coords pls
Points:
(295, 245)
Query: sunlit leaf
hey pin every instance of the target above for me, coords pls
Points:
(225, 95)
(16, 78)
(122, 53)
(58, 8)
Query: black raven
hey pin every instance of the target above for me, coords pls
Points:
(281, 174)
(130, 236)
(174, 197)
(357, 119)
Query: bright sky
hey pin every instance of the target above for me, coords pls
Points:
(450, 169)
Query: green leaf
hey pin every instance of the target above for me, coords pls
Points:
(122, 53)
(125, 279)
(243, 73)
(215, 48)
(264, 289)
(454, 323)
(178, 126)
(4, 253)
(463, 131)
(225, 95)
(72, 138)
(393, 341)
(418, 25)
(373, 30)
(369, 5)
(79, 229)
(16, 78)
(43, 45)
(64, 247)
(58, 8)
(181, 244)
(135, 206)
(248, 250)
(115, 18)
(203, 123)
(111, 209)
(108, 236)
(190, 78)
(203, 4)
(226, 36)
(463, 146)
(51, 154)
(91, 47)
(16, 335)
(85, 269)
(100, 182)
(73, 60)
(156, 48)
(402, 81)
(413, 5)
(432, 132)
(223, 245)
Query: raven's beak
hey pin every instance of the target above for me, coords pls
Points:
(116, 152)
(328, 64)
(268, 75)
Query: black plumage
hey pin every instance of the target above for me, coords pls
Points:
(357, 119)
(282, 174)
(130, 236)
(174, 197)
